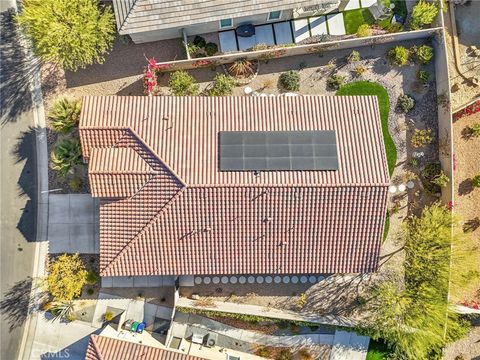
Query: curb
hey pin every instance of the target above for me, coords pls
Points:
(41, 221)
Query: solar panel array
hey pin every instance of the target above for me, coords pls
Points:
(277, 150)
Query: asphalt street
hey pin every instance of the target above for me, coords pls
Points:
(17, 187)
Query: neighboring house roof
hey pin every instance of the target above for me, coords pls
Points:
(190, 218)
(106, 348)
(135, 16)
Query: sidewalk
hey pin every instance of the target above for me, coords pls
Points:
(268, 312)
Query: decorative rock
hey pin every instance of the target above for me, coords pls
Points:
(294, 279)
(207, 280)
(198, 280)
(248, 90)
(277, 279)
(242, 279)
(224, 279)
(286, 279)
(233, 279)
(268, 279)
(410, 184)
(251, 279)
(195, 297)
(402, 187)
(260, 279)
(303, 279)
(392, 189)
(312, 279)
(216, 280)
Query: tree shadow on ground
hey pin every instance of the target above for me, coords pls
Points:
(465, 187)
(17, 304)
(24, 151)
(16, 72)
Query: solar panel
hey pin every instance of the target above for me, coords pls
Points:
(278, 150)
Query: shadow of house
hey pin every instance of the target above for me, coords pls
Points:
(24, 151)
(16, 71)
(75, 350)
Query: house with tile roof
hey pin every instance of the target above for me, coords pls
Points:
(151, 20)
(236, 185)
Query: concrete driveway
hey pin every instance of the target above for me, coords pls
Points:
(73, 224)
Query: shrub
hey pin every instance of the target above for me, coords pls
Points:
(90, 291)
(398, 55)
(108, 316)
(242, 67)
(359, 70)
(476, 181)
(353, 57)
(47, 306)
(75, 184)
(422, 54)
(421, 137)
(71, 317)
(65, 156)
(474, 130)
(290, 80)
(66, 277)
(222, 85)
(92, 278)
(441, 179)
(199, 41)
(193, 49)
(64, 115)
(335, 81)
(305, 354)
(430, 172)
(406, 103)
(263, 351)
(423, 13)
(302, 301)
(73, 34)
(211, 48)
(394, 28)
(182, 83)
(63, 310)
(284, 354)
(364, 30)
(423, 76)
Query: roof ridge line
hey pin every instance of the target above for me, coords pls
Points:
(142, 230)
(124, 172)
(157, 156)
(287, 185)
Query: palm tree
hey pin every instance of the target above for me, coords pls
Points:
(64, 115)
(65, 156)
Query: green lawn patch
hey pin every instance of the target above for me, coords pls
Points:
(377, 350)
(354, 18)
(369, 88)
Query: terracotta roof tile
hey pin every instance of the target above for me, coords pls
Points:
(106, 348)
(190, 218)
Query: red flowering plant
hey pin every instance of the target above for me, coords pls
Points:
(469, 110)
(201, 63)
(151, 74)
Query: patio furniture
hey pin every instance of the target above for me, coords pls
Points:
(283, 33)
(301, 30)
(197, 339)
(264, 34)
(228, 41)
(246, 30)
(318, 26)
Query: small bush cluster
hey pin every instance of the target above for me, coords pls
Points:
(64, 115)
(222, 85)
(423, 76)
(353, 57)
(65, 156)
(75, 184)
(200, 48)
(335, 81)
(364, 30)
(423, 13)
(182, 83)
(241, 68)
(422, 54)
(359, 70)
(430, 172)
(398, 55)
(394, 28)
(92, 278)
(290, 80)
(406, 103)
(108, 316)
(441, 179)
(476, 181)
(421, 137)
(474, 130)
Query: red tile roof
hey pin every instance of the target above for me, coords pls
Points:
(106, 348)
(187, 217)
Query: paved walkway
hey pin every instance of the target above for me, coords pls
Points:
(349, 346)
(73, 224)
(268, 312)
